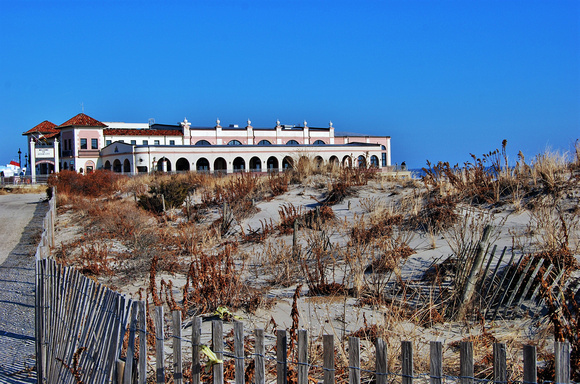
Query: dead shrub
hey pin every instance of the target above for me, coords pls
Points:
(95, 184)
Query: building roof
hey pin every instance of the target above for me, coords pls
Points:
(141, 132)
(44, 127)
(82, 120)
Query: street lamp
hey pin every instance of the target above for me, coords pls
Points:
(19, 159)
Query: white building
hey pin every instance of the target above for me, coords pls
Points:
(84, 144)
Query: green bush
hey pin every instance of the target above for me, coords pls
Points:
(173, 191)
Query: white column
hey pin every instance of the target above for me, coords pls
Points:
(32, 161)
(56, 156)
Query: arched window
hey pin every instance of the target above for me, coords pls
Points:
(374, 161)
(362, 162)
(239, 164)
(319, 142)
(202, 165)
(264, 142)
(203, 142)
(235, 142)
(292, 142)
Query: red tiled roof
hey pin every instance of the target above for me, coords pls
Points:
(82, 120)
(141, 132)
(44, 127)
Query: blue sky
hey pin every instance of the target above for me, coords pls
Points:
(443, 78)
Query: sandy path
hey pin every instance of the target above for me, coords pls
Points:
(20, 227)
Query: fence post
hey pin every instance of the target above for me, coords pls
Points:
(328, 351)
(499, 363)
(195, 346)
(302, 356)
(217, 338)
(562, 356)
(407, 362)
(239, 351)
(354, 360)
(142, 343)
(159, 350)
(177, 361)
(466, 363)
(282, 358)
(436, 362)
(530, 365)
(260, 351)
(382, 362)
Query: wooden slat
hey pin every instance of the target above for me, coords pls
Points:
(530, 365)
(499, 363)
(436, 362)
(281, 357)
(530, 282)
(328, 351)
(407, 362)
(260, 350)
(562, 356)
(142, 327)
(354, 360)
(302, 356)
(239, 351)
(196, 345)
(382, 361)
(128, 374)
(217, 337)
(177, 360)
(159, 347)
(466, 363)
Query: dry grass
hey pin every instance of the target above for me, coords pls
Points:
(359, 255)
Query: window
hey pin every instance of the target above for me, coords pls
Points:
(133, 142)
(235, 142)
(94, 145)
(108, 142)
(83, 143)
(292, 142)
(319, 142)
(384, 159)
(156, 142)
(203, 142)
(264, 142)
(171, 142)
(145, 142)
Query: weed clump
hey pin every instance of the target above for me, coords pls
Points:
(165, 195)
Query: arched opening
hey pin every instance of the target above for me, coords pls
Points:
(107, 165)
(220, 166)
(164, 165)
(361, 162)
(374, 161)
(319, 142)
(126, 166)
(235, 142)
(292, 142)
(90, 166)
(347, 161)
(318, 161)
(272, 164)
(303, 163)
(255, 164)
(117, 166)
(239, 164)
(333, 160)
(202, 165)
(182, 164)
(203, 142)
(287, 163)
(264, 142)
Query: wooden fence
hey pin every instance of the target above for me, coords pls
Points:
(79, 324)
(302, 370)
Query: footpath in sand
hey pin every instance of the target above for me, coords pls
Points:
(21, 218)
